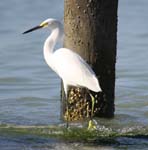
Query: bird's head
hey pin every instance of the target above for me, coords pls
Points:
(51, 23)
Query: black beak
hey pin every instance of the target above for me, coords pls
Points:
(35, 28)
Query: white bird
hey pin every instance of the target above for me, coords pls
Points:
(70, 66)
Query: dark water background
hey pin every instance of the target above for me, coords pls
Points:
(30, 91)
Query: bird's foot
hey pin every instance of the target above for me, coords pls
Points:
(91, 125)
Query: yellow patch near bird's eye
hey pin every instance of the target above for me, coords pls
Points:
(44, 24)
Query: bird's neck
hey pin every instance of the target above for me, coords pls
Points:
(51, 42)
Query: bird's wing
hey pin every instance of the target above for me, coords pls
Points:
(74, 70)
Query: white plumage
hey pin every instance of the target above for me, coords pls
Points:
(67, 64)
(74, 70)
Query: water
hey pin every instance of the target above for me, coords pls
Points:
(131, 83)
(30, 91)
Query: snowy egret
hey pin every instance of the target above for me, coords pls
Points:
(66, 63)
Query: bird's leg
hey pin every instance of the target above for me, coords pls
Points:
(66, 97)
(92, 105)
(91, 125)
(67, 112)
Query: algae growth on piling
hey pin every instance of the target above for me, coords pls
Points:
(102, 134)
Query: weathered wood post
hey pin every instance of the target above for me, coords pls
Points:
(91, 30)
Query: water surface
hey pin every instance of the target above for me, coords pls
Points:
(30, 91)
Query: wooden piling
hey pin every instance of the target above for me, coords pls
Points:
(91, 31)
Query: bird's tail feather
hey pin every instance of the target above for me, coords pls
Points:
(94, 85)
